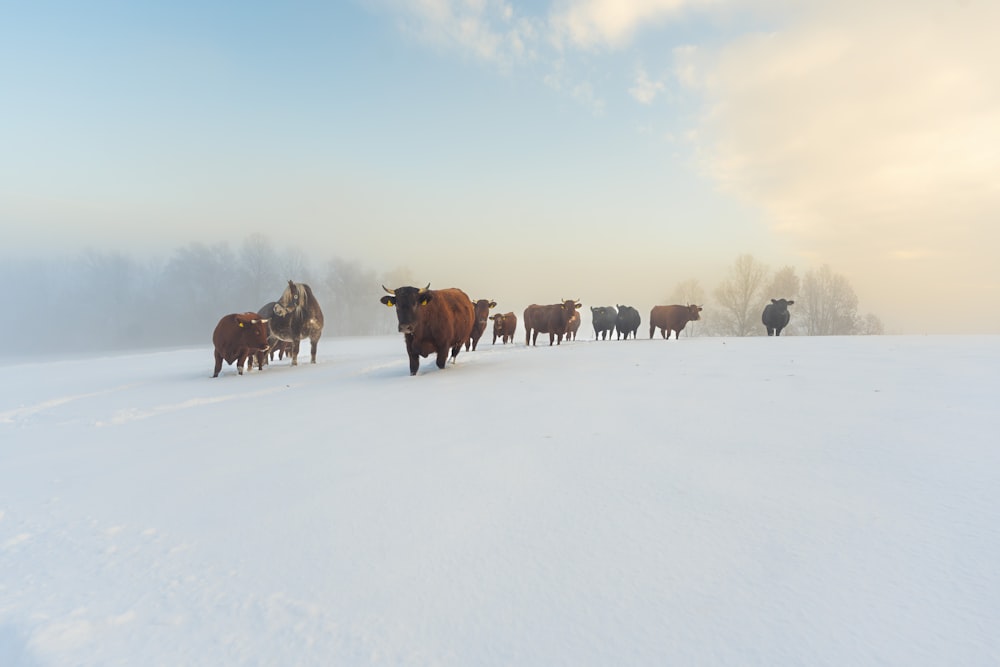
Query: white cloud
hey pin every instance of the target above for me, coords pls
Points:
(611, 23)
(491, 30)
(644, 90)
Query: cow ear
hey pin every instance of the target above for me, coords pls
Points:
(790, 302)
(774, 301)
(493, 304)
(388, 300)
(425, 298)
(492, 317)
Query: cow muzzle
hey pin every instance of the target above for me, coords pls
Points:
(406, 328)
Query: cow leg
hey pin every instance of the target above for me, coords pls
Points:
(777, 331)
(770, 331)
(314, 343)
(442, 356)
(412, 353)
(295, 353)
(218, 365)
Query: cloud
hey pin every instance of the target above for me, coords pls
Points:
(491, 30)
(612, 23)
(868, 133)
(644, 90)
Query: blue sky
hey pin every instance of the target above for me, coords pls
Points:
(530, 151)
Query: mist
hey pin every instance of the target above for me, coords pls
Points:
(538, 153)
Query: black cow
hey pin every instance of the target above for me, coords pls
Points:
(627, 322)
(603, 319)
(776, 316)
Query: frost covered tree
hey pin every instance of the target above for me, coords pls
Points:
(739, 297)
(829, 306)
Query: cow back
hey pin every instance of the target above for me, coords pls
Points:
(447, 319)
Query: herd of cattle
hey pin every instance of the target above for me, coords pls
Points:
(440, 322)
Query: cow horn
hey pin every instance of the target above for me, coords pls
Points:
(390, 291)
(424, 289)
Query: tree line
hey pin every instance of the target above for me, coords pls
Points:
(108, 300)
(825, 302)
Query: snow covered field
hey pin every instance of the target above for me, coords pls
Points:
(707, 501)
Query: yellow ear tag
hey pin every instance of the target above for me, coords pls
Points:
(390, 303)
(241, 324)
(423, 302)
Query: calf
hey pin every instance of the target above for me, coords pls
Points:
(238, 337)
(504, 326)
(482, 311)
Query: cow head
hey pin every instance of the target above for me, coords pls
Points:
(482, 309)
(781, 305)
(253, 331)
(694, 312)
(407, 301)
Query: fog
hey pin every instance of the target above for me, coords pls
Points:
(601, 151)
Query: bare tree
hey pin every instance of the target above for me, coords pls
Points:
(740, 295)
(352, 292)
(870, 325)
(259, 262)
(829, 306)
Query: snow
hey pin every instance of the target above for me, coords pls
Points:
(709, 501)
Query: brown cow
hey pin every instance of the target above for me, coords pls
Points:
(503, 327)
(672, 318)
(238, 337)
(482, 311)
(573, 325)
(552, 319)
(432, 321)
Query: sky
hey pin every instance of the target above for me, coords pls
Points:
(842, 511)
(602, 150)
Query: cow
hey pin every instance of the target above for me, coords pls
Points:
(776, 316)
(482, 309)
(431, 321)
(603, 318)
(552, 319)
(504, 326)
(573, 325)
(238, 337)
(296, 316)
(627, 322)
(281, 347)
(672, 318)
